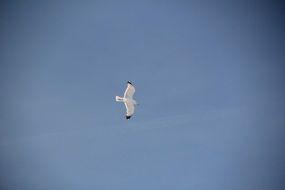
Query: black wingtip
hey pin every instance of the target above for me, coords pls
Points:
(128, 117)
(129, 82)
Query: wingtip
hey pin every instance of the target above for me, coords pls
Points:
(129, 82)
(128, 117)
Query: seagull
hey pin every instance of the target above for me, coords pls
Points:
(128, 100)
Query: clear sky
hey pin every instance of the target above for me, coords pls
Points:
(209, 78)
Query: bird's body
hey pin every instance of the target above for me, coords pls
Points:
(128, 100)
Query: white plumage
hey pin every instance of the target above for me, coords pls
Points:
(128, 100)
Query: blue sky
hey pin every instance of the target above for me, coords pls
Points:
(209, 80)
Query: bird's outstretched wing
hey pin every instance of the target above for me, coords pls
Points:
(129, 91)
(130, 109)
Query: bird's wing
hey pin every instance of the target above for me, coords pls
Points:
(130, 108)
(129, 91)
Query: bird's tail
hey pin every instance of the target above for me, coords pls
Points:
(119, 99)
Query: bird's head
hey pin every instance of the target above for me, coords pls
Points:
(135, 103)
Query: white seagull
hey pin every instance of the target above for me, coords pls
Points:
(128, 100)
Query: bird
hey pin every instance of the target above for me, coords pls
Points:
(128, 100)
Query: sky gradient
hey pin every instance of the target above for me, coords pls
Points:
(209, 78)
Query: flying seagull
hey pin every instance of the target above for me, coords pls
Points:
(128, 100)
